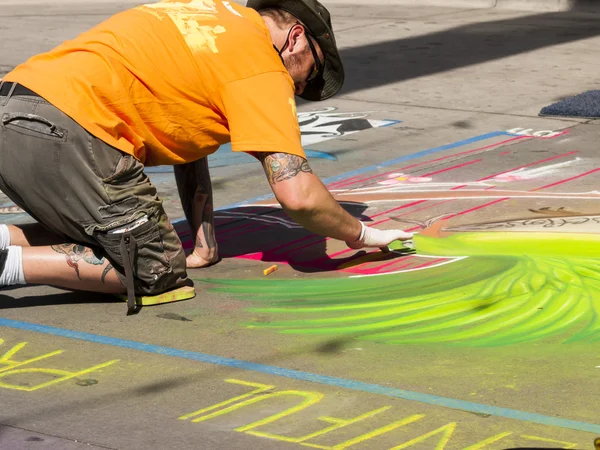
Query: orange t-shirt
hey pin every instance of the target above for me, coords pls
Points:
(170, 82)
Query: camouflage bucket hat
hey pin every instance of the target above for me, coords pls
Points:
(317, 20)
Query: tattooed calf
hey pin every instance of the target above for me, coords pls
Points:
(75, 253)
(105, 272)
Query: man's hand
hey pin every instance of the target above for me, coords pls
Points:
(372, 237)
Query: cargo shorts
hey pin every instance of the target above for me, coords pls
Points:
(86, 190)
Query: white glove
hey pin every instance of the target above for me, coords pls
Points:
(373, 237)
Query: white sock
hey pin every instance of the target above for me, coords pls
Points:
(13, 267)
(4, 237)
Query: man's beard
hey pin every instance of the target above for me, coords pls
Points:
(292, 62)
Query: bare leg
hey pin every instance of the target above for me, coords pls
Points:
(33, 235)
(70, 266)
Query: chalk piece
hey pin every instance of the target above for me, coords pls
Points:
(270, 270)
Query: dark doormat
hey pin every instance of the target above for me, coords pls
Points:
(586, 105)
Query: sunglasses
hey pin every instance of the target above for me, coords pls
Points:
(318, 67)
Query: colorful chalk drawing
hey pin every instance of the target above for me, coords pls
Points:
(544, 134)
(19, 375)
(324, 124)
(520, 174)
(526, 286)
(534, 275)
(286, 410)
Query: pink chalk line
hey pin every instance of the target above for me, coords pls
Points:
(344, 183)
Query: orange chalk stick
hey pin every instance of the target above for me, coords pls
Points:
(270, 270)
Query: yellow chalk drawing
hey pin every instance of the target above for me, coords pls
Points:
(563, 444)
(372, 434)
(13, 364)
(487, 442)
(310, 398)
(260, 388)
(64, 375)
(59, 375)
(447, 431)
(190, 18)
(337, 424)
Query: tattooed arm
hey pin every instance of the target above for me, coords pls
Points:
(195, 191)
(306, 199)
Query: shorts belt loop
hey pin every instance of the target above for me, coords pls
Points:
(128, 252)
(10, 93)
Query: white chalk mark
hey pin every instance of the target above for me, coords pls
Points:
(530, 174)
(258, 218)
(450, 261)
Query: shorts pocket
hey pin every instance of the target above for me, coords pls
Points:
(33, 125)
(127, 168)
(119, 209)
(150, 261)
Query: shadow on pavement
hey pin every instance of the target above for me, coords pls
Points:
(66, 298)
(585, 5)
(392, 61)
(245, 232)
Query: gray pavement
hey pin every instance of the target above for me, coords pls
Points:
(339, 349)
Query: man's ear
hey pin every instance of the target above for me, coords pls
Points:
(294, 41)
